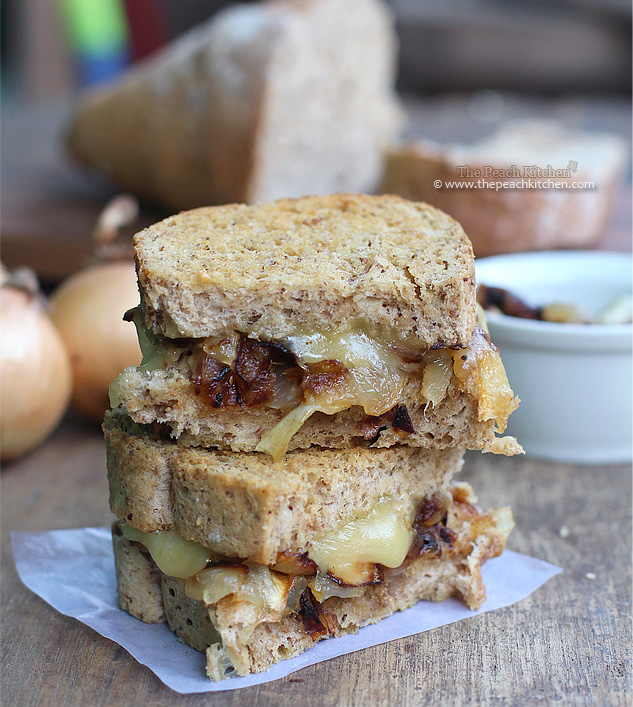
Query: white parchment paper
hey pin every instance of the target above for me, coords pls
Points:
(73, 571)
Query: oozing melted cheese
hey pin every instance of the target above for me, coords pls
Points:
(376, 378)
(174, 555)
(383, 536)
(376, 375)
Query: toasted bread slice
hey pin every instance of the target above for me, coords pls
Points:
(263, 101)
(246, 505)
(313, 264)
(235, 645)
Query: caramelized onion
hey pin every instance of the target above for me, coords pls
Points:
(397, 417)
(310, 616)
(266, 591)
(324, 586)
(437, 376)
(295, 563)
(482, 375)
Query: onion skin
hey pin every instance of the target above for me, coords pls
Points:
(88, 310)
(36, 381)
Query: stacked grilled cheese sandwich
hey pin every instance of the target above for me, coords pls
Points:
(281, 462)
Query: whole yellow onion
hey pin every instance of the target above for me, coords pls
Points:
(88, 309)
(36, 380)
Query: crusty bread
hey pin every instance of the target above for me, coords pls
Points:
(167, 397)
(455, 572)
(316, 262)
(263, 101)
(246, 505)
(502, 220)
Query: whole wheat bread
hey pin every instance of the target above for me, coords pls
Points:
(168, 397)
(246, 505)
(502, 219)
(315, 262)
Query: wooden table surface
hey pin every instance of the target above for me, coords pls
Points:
(569, 642)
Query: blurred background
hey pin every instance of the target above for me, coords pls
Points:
(465, 66)
(554, 47)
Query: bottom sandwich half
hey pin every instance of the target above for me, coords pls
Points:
(247, 617)
(253, 561)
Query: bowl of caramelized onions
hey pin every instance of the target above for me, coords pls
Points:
(562, 322)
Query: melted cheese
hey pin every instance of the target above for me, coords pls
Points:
(153, 350)
(376, 379)
(376, 375)
(173, 555)
(383, 537)
(323, 587)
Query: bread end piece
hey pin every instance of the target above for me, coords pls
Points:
(499, 219)
(263, 100)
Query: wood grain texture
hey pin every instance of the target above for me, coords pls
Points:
(568, 643)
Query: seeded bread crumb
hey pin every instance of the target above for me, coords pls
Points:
(316, 262)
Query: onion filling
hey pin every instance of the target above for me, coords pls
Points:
(329, 372)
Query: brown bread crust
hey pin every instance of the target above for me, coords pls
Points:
(248, 506)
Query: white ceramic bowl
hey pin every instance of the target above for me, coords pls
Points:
(574, 380)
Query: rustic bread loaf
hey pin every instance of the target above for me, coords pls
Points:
(263, 101)
(246, 505)
(214, 629)
(315, 263)
(502, 219)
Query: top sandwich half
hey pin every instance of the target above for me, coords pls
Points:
(348, 306)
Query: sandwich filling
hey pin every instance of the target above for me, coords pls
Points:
(342, 563)
(329, 372)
